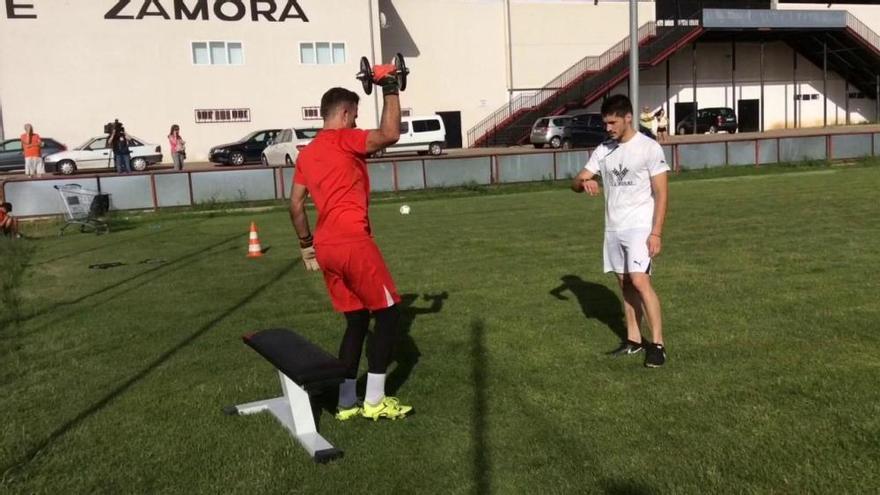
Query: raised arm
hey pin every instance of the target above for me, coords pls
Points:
(389, 128)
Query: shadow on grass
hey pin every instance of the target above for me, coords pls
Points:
(597, 302)
(71, 302)
(626, 487)
(482, 462)
(14, 255)
(19, 463)
(406, 353)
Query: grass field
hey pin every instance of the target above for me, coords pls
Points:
(112, 381)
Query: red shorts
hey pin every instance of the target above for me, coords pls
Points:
(356, 276)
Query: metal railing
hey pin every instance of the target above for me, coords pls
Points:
(860, 28)
(559, 83)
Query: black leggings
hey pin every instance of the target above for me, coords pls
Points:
(381, 344)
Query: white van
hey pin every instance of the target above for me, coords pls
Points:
(420, 134)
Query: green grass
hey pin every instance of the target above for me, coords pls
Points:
(112, 381)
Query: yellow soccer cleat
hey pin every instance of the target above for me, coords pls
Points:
(346, 413)
(390, 408)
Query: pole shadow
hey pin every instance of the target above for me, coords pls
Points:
(597, 302)
(482, 461)
(22, 461)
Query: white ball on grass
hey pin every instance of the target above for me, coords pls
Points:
(404, 210)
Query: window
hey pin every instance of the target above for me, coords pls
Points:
(285, 136)
(217, 53)
(210, 116)
(406, 112)
(311, 113)
(426, 125)
(12, 146)
(307, 133)
(322, 53)
(404, 127)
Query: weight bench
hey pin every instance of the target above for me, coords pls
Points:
(305, 370)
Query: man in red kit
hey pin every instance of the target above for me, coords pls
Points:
(333, 170)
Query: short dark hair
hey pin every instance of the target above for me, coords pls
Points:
(335, 97)
(7, 207)
(617, 105)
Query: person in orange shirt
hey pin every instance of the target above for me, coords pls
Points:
(32, 146)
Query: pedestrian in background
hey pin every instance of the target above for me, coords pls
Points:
(121, 152)
(32, 147)
(178, 147)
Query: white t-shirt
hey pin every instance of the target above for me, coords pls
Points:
(626, 170)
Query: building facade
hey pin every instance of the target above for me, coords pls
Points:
(223, 68)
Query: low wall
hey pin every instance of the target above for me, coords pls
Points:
(163, 189)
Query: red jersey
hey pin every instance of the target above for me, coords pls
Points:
(334, 169)
(31, 145)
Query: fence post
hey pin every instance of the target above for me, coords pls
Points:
(153, 191)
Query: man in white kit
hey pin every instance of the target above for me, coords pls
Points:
(633, 170)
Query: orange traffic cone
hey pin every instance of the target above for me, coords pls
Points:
(254, 249)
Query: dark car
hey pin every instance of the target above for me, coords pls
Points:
(585, 130)
(709, 120)
(12, 158)
(246, 150)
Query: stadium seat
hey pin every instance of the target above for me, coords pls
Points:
(305, 370)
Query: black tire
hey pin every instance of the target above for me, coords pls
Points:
(139, 164)
(538, 146)
(435, 149)
(236, 159)
(555, 142)
(713, 129)
(264, 160)
(288, 161)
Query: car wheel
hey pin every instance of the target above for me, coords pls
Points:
(264, 160)
(378, 154)
(288, 161)
(713, 129)
(67, 167)
(566, 145)
(555, 142)
(435, 149)
(236, 159)
(539, 146)
(139, 164)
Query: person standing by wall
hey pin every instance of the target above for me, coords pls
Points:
(662, 125)
(178, 147)
(32, 147)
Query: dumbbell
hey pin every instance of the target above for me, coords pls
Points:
(365, 76)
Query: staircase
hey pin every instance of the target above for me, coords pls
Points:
(582, 84)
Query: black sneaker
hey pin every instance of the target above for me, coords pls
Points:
(627, 347)
(655, 355)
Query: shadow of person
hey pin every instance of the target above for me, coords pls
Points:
(597, 302)
(406, 353)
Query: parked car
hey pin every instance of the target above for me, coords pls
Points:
(248, 149)
(585, 130)
(709, 120)
(95, 154)
(424, 135)
(549, 130)
(285, 149)
(12, 158)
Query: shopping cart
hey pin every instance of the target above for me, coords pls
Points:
(85, 208)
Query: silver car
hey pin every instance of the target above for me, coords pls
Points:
(549, 130)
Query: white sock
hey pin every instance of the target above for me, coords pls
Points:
(348, 393)
(375, 388)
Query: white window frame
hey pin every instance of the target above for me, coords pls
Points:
(314, 44)
(211, 63)
(215, 121)
(317, 114)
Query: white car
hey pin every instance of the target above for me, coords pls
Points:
(285, 149)
(95, 155)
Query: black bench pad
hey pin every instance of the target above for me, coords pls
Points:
(302, 361)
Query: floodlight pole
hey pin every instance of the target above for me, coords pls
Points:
(634, 61)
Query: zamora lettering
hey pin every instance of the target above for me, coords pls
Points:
(195, 10)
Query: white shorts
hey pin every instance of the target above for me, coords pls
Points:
(626, 251)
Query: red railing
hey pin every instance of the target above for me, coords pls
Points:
(526, 101)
